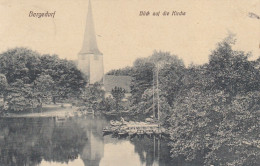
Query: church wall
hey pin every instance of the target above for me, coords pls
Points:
(83, 63)
(96, 68)
(92, 66)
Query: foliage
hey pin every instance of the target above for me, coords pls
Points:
(171, 79)
(44, 87)
(19, 63)
(216, 118)
(142, 80)
(232, 71)
(3, 91)
(127, 71)
(108, 104)
(20, 97)
(211, 110)
(92, 97)
(194, 122)
(33, 78)
(205, 125)
(148, 106)
(3, 84)
(118, 94)
(67, 78)
(146, 68)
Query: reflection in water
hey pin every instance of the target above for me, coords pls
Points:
(121, 153)
(76, 162)
(29, 141)
(79, 141)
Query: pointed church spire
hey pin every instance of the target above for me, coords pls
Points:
(89, 44)
(90, 59)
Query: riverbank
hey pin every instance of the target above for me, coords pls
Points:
(50, 110)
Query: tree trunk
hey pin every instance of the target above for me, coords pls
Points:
(54, 100)
(4, 95)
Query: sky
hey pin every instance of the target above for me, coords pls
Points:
(123, 36)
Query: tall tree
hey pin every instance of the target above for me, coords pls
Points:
(3, 84)
(3, 91)
(43, 86)
(118, 94)
(145, 69)
(20, 97)
(92, 97)
(231, 70)
(216, 116)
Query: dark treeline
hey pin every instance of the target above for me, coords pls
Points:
(28, 79)
(212, 110)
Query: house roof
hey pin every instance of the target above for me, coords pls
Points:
(112, 81)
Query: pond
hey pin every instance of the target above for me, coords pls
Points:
(76, 141)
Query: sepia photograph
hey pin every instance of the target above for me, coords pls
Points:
(129, 83)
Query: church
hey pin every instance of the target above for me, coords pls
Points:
(90, 61)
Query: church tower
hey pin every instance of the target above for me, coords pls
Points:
(90, 59)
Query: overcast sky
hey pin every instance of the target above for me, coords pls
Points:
(123, 35)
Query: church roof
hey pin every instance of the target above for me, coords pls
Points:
(112, 81)
(89, 43)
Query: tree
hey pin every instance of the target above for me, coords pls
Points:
(126, 71)
(92, 97)
(194, 122)
(3, 90)
(144, 72)
(39, 76)
(118, 94)
(108, 104)
(20, 97)
(215, 118)
(19, 63)
(44, 87)
(148, 106)
(68, 79)
(3, 84)
(171, 79)
(231, 70)
(142, 79)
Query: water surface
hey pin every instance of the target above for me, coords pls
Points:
(77, 141)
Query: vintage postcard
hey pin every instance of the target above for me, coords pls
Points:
(129, 83)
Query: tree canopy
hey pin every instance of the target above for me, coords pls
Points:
(211, 110)
(31, 77)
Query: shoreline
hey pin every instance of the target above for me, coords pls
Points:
(49, 111)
